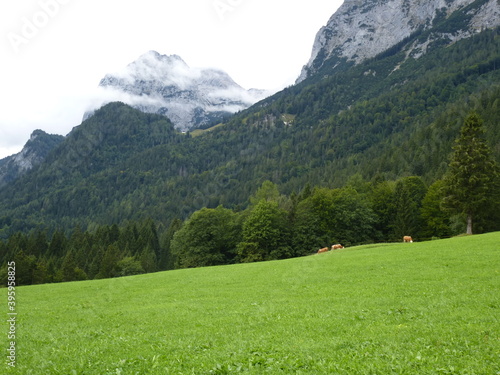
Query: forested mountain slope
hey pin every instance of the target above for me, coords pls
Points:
(388, 117)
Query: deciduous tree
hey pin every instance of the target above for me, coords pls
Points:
(208, 238)
(264, 232)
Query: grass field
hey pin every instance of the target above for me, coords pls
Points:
(198, 132)
(420, 308)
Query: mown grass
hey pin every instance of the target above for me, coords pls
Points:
(420, 308)
(198, 132)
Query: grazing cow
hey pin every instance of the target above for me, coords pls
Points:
(337, 246)
(407, 239)
(323, 250)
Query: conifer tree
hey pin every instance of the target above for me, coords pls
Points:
(167, 259)
(435, 220)
(471, 183)
(408, 195)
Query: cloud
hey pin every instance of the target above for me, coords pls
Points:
(104, 95)
(163, 69)
(248, 97)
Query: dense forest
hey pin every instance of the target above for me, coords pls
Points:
(338, 156)
(273, 226)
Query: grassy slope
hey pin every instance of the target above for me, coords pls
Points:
(421, 308)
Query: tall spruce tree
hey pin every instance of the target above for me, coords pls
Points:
(471, 183)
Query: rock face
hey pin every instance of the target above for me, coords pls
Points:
(189, 97)
(33, 153)
(362, 29)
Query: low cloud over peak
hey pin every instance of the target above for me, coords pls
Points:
(165, 84)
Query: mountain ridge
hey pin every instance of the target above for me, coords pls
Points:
(33, 153)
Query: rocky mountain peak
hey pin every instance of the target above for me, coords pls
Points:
(362, 29)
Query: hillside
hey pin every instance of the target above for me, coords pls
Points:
(320, 132)
(426, 308)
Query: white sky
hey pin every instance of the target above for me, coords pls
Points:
(55, 52)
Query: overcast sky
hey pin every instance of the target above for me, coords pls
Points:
(55, 52)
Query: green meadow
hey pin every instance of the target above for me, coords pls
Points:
(416, 308)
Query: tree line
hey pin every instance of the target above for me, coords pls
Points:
(109, 251)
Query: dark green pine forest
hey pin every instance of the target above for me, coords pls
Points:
(355, 155)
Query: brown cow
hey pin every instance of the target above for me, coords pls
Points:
(407, 239)
(337, 246)
(323, 250)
